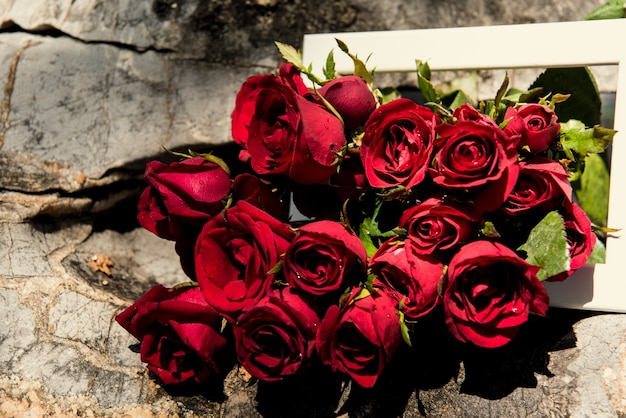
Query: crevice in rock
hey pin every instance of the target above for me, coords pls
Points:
(52, 32)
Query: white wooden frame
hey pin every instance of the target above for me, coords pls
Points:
(566, 44)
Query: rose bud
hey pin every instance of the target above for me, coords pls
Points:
(324, 257)
(489, 294)
(181, 197)
(275, 337)
(291, 136)
(397, 144)
(580, 239)
(475, 158)
(410, 278)
(352, 99)
(179, 334)
(436, 226)
(361, 337)
(235, 254)
(245, 101)
(542, 185)
(537, 125)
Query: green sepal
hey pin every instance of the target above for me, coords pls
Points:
(404, 330)
(294, 57)
(329, 68)
(489, 230)
(223, 325)
(277, 268)
(359, 66)
(547, 246)
(185, 285)
(212, 158)
(363, 293)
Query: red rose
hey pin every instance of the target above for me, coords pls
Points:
(542, 185)
(361, 337)
(324, 257)
(410, 278)
(537, 125)
(275, 337)
(467, 112)
(245, 101)
(489, 293)
(438, 225)
(397, 144)
(477, 158)
(259, 193)
(234, 255)
(289, 135)
(290, 75)
(580, 239)
(181, 197)
(179, 334)
(352, 99)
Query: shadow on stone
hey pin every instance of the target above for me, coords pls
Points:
(315, 394)
(494, 374)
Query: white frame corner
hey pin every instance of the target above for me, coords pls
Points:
(600, 287)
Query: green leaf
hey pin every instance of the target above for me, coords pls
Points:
(388, 94)
(423, 81)
(584, 104)
(366, 237)
(467, 84)
(598, 254)
(369, 230)
(455, 99)
(547, 246)
(499, 95)
(575, 136)
(612, 9)
(593, 189)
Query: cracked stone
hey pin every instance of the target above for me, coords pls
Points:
(73, 313)
(18, 329)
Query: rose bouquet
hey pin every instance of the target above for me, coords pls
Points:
(402, 209)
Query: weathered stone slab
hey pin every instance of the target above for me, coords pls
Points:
(84, 115)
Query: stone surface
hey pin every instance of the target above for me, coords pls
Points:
(92, 89)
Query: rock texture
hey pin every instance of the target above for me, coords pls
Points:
(92, 89)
